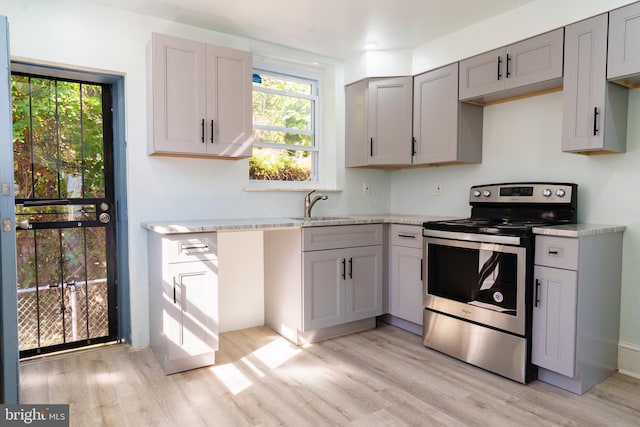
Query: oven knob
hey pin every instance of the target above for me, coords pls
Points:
(486, 193)
(560, 192)
(476, 193)
(546, 192)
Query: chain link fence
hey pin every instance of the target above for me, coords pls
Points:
(57, 314)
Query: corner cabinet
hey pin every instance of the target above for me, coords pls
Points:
(444, 129)
(200, 99)
(623, 64)
(528, 66)
(378, 122)
(183, 300)
(594, 110)
(576, 313)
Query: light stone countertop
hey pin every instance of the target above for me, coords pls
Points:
(578, 230)
(246, 224)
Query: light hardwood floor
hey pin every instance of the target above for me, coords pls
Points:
(381, 377)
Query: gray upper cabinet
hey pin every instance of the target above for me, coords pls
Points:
(378, 122)
(529, 66)
(444, 129)
(624, 45)
(356, 153)
(594, 110)
(200, 99)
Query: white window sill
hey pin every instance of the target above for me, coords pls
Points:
(291, 187)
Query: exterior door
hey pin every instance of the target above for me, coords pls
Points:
(65, 213)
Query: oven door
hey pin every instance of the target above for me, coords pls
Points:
(478, 281)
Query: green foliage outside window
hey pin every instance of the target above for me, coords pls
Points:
(283, 114)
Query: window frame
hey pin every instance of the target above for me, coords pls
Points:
(297, 74)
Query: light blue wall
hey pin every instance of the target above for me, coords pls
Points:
(521, 138)
(521, 142)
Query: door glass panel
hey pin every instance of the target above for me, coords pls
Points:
(97, 302)
(56, 213)
(93, 154)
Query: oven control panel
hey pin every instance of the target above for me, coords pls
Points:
(538, 193)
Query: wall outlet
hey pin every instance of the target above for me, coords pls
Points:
(438, 189)
(366, 188)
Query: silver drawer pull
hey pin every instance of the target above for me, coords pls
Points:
(194, 248)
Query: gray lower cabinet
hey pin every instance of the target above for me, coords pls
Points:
(528, 66)
(576, 313)
(183, 300)
(444, 129)
(322, 282)
(623, 64)
(594, 110)
(341, 285)
(405, 273)
(378, 122)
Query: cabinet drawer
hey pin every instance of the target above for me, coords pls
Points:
(191, 247)
(406, 235)
(557, 252)
(342, 236)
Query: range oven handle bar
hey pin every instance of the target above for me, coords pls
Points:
(472, 237)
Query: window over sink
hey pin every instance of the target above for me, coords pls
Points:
(285, 123)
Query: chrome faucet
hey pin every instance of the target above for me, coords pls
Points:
(308, 203)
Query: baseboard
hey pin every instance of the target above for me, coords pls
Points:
(629, 359)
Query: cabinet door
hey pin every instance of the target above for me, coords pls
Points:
(435, 116)
(624, 42)
(364, 283)
(405, 283)
(179, 95)
(355, 141)
(229, 109)
(482, 74)
(190, 316)
(534, 60)
(584, 85)
(554, 320)
(389, 121)
(323, 288)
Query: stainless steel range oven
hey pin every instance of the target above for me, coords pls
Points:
(478, 290)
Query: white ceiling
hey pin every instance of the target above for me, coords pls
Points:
(334, 28)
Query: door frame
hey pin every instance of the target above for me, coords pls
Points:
(9, 371)
(8, 251)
